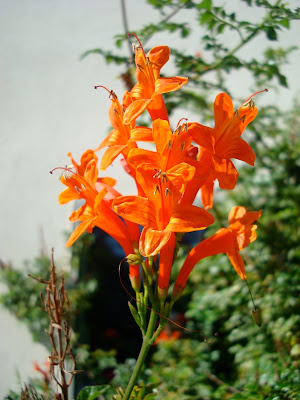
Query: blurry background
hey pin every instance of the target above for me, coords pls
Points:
(49, 107)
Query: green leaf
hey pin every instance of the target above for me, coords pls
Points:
(271, 33)
(282, 80)
(285, 23)
(91, 392)
(150, 396)
(205, 4)
(134, 313)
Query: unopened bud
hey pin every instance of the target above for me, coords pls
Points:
(256, 315)
(134, 259)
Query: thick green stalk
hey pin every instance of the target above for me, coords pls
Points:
(147, 343)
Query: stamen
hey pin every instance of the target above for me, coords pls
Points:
(116, 111)
(182, 146)
(164, 177)
(139, 67)
(112, 94)
(249, 98)
(156, 189)
(133, 34)
(168, 191)
(64, 169)
(157, 175)
(77, 189)
(169, 145)
(177, 130)
(66, 174)
(148, 62)
(243, 118)
(135, 47)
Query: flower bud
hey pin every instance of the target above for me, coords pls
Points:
(256, 315)
(134, 259)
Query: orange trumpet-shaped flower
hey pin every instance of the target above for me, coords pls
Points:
(98, 196)
(169, 162)
(224, 142)
(240, 232)
(159, 213)
(118, 140)
(149, 87)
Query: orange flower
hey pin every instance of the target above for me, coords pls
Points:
(169, 162)
(166, 335)
(98, 196)
(118, 140)
(149, 88)
(163, 177)
(224, 142)
(240, 232)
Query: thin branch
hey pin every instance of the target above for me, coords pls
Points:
(166, 19)
(126, 31)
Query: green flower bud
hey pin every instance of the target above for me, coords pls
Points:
(256, 315)
(134, 259)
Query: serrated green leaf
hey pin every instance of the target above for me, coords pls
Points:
(91, 392)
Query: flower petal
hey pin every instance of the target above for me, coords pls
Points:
(226, 172)
(135, 110)
(237, 263)
(136, 209)
(166, 85)
(188, 218)
(111, 154)
(141, 133)
(152, 241)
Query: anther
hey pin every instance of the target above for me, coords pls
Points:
(135, 47)
(158, 173)
(116, 111)
(112, 94)
(67, 174)
(139, 67)
(77, 189)
(168, 191)
(236, 113)
(164, 177)
(140, 44)
(169, 145)
(182, 146)
(156, 189)
(148, 62)
(243, 118)
(177, 130)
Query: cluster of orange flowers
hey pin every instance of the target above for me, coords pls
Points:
(187, 159)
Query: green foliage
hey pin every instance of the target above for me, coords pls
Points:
(22, 297)
(91, 392)
(218, 57)
(244, 361)
(141, 392)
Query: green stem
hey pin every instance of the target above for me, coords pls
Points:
(147, 343)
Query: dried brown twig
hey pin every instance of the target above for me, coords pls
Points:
(57, 306)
